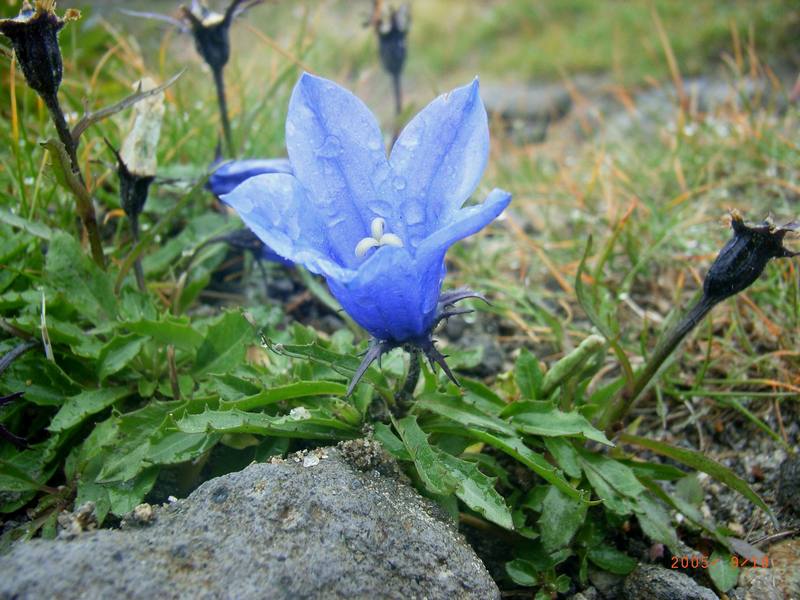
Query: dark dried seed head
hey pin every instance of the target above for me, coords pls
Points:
(34, 36)
(392, 28)
(744, 257)
(211, 32)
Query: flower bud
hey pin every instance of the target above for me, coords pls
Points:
(34, 36)
(392, 27)
(745, 256)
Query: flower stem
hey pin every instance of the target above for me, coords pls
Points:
(397, 86)
(406, 394)
(219, 83)
(613, 416)
(84, 206)
(133, 219)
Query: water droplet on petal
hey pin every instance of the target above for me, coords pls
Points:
(331, 147)
(399, 183)
(414, 213)
(244, 205)
(374, 144)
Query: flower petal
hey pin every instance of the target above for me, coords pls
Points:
(230, 174)
(463, 223)
(393, 295)
(276, 209)
(337, 153)
(441, 155)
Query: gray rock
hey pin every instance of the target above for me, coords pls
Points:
(757, 584)
(527, 109)
(308, 527)
(607, 585)
(789, 483)
(651, 582)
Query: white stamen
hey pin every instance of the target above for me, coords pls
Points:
(364, 245)
(390, 239)
(379, 238)
(378, 226)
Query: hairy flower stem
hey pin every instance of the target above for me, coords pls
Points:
(84, 206)
(219, 83)
(612, 418)
(404, 397)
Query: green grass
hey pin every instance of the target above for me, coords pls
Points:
(534, 41)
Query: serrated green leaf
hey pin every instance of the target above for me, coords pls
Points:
(225, 345)
(317, 426)
(699, 462)
(118, 353)
(477, 490)
(79, 407)
(292, 391)
(81, 282)
(516, 448)
(561, 518)
(431, 470)
(125, 496)
(543, 418)
(171, 446)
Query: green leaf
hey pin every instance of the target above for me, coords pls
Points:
(516, 448)
(543, 418)
(699, 462)
(225, 345)
(430, 468)
(390, 442)
(561, 517)
(125, 496)
(655, 521)
(565, 454)
(32, 227)
(318, 425)
(292, 391)
(614, 472)
(79, 407)
(477, 490)
(117, 353)
(722, 571)
(689, 489)
(456, 409)
(15, 479)
(612, 560)
(170, 330)
(172, 446)
(522, 572)
(528, 375)
(82, 283)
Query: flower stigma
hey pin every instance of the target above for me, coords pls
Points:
(378, 238)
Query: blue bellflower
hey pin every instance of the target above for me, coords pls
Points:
(376, 228)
